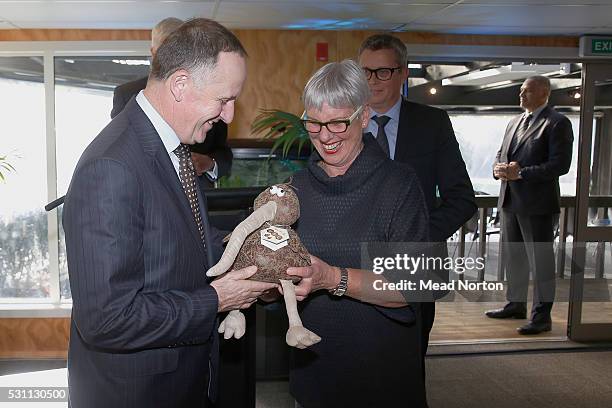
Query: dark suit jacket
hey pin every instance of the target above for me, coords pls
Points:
(144, 316)
(123, 93)
(214, 146)
(544, 153)
(426, 141)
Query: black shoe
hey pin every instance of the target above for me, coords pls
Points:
(535, 328)
(510, 311)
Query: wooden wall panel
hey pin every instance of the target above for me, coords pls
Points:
(349, 41)
(34, 338)
(279, 64)
(74, 35)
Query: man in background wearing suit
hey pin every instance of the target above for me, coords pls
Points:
(536, 150)
(138, 241)
(421, 136)
(213, 157)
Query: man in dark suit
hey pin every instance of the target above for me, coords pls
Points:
(138, 241)
(421, 136)
(536, 150)
(213, 157)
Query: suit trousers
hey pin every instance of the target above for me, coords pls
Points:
(528, 246)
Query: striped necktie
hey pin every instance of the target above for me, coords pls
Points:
(520, 132)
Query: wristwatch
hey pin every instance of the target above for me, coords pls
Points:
(340, 290)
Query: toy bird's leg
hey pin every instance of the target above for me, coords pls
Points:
(234, 325)
(297, 335)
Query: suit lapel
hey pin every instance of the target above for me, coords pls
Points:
(162, 166)
(509, 135)
(406, 122)
(535, 127)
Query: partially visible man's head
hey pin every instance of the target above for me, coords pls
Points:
(162, 30)
(534, 92)
(384, 59)
(200, 68)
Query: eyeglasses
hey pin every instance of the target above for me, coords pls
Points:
(334, 126)
(383, 74)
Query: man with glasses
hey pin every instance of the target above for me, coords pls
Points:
(421, 136)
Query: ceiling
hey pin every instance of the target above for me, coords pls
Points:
(513, 17)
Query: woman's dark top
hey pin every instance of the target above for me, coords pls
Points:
(369, 356)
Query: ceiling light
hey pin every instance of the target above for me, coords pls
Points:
(132, 62)
(433, 91)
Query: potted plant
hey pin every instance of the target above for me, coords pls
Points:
(286, 127)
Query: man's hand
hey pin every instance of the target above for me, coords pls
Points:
(236, 292)
(202, 163)
(512, 172)
(319, 275)
(500, 171)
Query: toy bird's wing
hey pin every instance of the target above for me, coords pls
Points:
(296, 246)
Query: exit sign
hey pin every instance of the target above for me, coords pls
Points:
(596, 46)
(601, 46)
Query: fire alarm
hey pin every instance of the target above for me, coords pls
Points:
(322, 52)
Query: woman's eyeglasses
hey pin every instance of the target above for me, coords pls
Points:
(334, 126)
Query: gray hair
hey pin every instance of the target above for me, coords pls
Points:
(387, 42)
(339, 84)
(542, 82)
(195, 47)
(163, 29)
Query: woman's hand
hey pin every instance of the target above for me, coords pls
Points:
(319, 275)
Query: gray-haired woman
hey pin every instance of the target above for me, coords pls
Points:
(351, 193)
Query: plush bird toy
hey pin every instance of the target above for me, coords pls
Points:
(265, 239)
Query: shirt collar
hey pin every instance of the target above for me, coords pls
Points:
(165, 132)
(392, 113)
(536, 112)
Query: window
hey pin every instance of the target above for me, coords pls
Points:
(58, 98)
(24, 246)
(83, 101)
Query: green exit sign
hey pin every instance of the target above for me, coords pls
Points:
(601, 46)
(596, 46)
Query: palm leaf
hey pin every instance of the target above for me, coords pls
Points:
(286, 127)
(6, 166)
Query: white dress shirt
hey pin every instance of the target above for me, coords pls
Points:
(167, 134)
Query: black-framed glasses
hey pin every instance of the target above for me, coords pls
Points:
(334, 126)
(383, 74)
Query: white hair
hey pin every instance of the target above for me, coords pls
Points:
(339, 84)
(163, 29)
